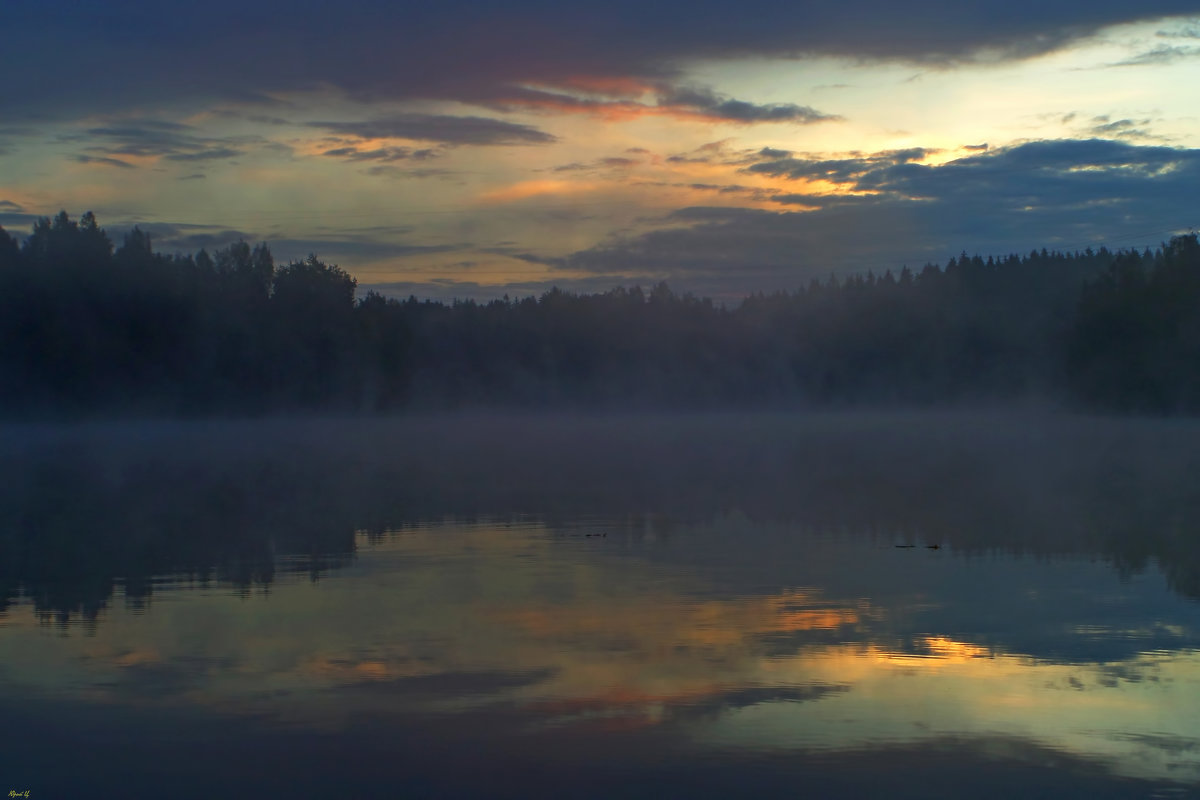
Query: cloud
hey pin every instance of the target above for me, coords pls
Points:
(612, 162)
(625, 100)
(204, 155)
(184, 238)
(382, 154)
(445, 129)
(157, 139)
(841, 170)
(1163, 54)
(458, 50)
(1120, 129)
(103, 160)
(1062, 193)
(760, 193)
(13, 216)
(511, 251)
(262, 119)
(720, 152)
(390, 171)
(719, 107)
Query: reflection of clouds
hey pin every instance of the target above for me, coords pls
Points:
(656, 655)
(937, 651)
(562, 629)
(671, 622)
(959, 690)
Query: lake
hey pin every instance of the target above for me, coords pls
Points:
(920, 605)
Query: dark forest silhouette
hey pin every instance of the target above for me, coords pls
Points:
(86, 329)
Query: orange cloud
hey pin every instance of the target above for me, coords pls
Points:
(536, 188)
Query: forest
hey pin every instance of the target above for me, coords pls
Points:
(89, 329)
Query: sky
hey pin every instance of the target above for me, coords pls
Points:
(469, 149)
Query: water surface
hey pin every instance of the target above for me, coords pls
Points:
(853, 604)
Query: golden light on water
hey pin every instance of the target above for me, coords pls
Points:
(629, 646)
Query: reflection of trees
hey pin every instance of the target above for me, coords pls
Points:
(73, 531)
(86, 511)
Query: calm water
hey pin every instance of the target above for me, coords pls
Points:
(622, 606)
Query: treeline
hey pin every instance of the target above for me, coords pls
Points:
(87, 328)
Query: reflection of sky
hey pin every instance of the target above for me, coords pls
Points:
(620, 630)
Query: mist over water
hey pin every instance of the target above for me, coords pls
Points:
(928, 604)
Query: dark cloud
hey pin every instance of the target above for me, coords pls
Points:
(979, 147)
(390, 171)
(262, 119)
(152, 138)
(278, 148)
(612, 162)
(382, 154)
(752, 192)
(1120, 129)
(196, 177)
(104, 160)
(9, 207)
(180, 238)
(459, 49)
(210, 154)
(1068, 193)
(719, 152)
(16, 221)
(841, 170)
(441, 128)
(144, 140)
(1163, 54)
(511, 251)
(629, 98)
(718, 106)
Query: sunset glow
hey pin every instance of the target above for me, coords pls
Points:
(391, 157)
